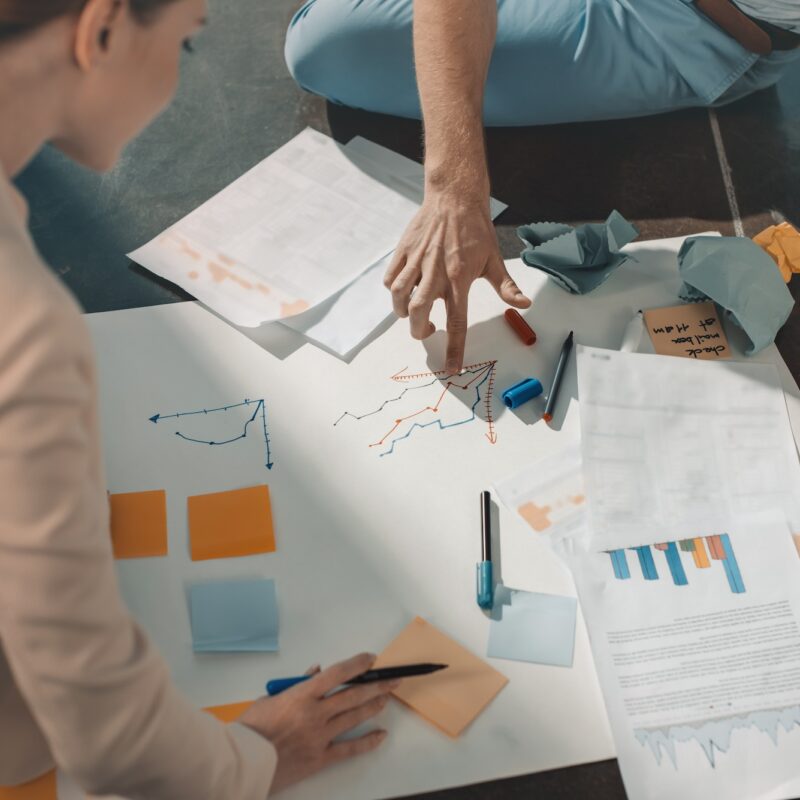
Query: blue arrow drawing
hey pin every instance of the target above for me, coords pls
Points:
(259, 413)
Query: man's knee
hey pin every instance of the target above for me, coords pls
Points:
(305, 48)
(354, 52)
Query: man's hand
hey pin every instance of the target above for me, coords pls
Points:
(449, 243)
(303, 722)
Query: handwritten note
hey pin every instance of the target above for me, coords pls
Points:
(691, 331)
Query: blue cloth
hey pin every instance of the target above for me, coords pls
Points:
(577, 259)
(741, 278)
(554, 60)
(234, 616)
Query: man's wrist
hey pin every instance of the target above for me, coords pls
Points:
(470, 184)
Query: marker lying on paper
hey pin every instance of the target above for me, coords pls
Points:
(520, 326)
(562, 362)
(370, 676)
(485, 579)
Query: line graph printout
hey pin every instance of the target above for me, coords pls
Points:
(221, 426)
(702, 682)
(426, 402)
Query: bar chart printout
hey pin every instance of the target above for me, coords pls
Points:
(702, 552)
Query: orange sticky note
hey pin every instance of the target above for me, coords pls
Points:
(230, 524)
(782, 242)
(43, 788)
(692, 330)
(230, 712)
(139, 524)
(451, 698)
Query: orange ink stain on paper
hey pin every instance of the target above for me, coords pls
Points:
(226, 259)
(262, 288)
(579, 499)
(219, 274)
(536, 516)
(290, 309)
(194, 275)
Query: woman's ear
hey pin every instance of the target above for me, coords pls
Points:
(97, 24)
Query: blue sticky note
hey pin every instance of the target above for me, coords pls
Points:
(234, 616)
(534, 627)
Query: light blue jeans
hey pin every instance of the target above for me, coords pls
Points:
(554, 60)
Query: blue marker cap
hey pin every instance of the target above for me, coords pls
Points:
(521, 392)
(485, 587)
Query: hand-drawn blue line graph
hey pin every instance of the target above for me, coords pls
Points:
(479, 379)
(259, 416)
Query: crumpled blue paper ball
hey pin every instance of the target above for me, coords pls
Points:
(741, 278)
(577, 259)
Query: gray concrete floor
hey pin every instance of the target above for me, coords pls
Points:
(237, 104)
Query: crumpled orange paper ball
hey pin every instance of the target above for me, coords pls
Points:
(782, 242)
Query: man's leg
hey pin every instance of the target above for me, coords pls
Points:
(554, 61)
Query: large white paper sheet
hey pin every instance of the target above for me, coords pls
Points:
(699, 667)
(673, 443)
(292, 231)
(344, 321)
(364, 541)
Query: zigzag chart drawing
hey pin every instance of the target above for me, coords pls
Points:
(476, 378)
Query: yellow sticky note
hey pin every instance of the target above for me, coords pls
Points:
(230, 524)
(451, 698)
(692, 330)
(43, 788)
(229, 713)
(139, 524)
(782, 242)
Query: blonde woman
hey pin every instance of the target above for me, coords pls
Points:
(81, 687)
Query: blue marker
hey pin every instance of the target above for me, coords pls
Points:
(485, 580)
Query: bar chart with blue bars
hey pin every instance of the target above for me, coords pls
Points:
(701, 553)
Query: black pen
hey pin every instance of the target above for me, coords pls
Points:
(562, 362)
(370, 676)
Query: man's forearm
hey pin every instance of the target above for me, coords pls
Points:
(453, 42)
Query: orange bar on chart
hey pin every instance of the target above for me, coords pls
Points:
(43, 788)
(700, 556)
(230, 712)
(715, 548)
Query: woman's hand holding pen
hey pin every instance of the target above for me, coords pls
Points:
(303, 722)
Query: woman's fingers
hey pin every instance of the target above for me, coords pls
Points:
(355, 696)
(342, 723)
(334, 676)
(340, 751)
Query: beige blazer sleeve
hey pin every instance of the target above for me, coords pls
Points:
(91, 680)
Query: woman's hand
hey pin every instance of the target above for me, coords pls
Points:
(304, 721)
(449, 243)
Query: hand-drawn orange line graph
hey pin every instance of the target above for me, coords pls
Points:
(477, 378)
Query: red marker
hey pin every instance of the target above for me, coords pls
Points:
(521, 328)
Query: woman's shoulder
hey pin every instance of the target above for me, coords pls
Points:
(36, 310)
